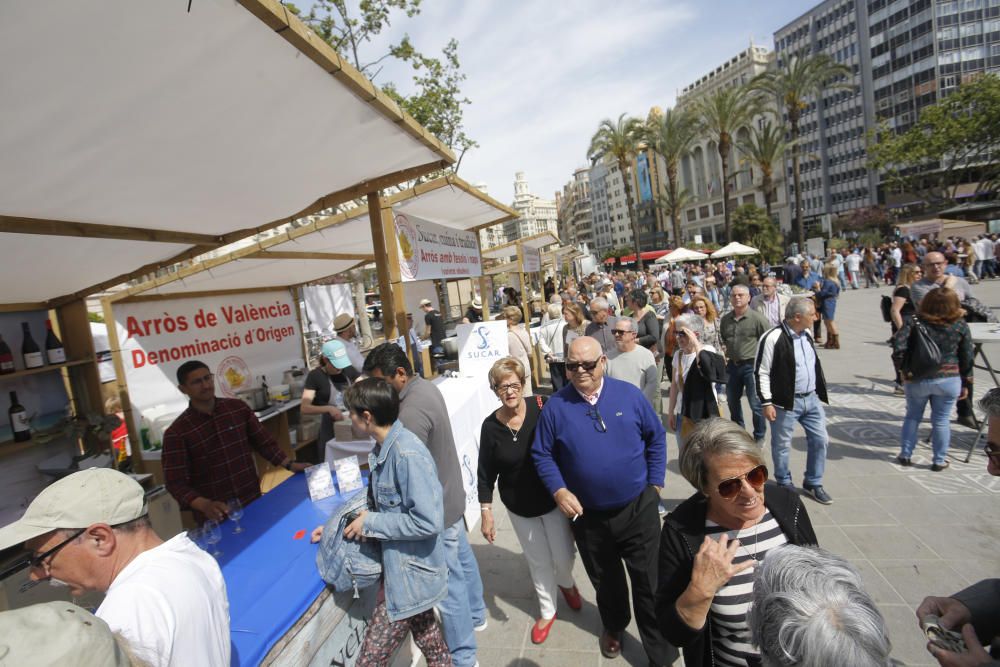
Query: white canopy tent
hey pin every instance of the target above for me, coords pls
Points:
(735, 249)
(138, 134)
(681, 255)
(508, 250)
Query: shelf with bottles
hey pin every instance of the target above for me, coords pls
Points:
(45, 369)
(34, 359)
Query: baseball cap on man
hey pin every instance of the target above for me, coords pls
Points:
(96, 495)
(342, 322)
(336, 353)
(58, 633)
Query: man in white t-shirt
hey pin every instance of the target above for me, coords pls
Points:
(90, 531)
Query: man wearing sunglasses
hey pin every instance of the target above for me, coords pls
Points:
(601, 324)
(791, 389)
(975, 611)
(600, 450)
(633, 363)
(90, 531)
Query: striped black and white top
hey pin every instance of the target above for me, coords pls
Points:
(730, 634)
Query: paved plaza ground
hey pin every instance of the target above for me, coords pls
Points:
(910, 531)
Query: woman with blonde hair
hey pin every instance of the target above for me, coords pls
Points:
(541, 528)
(902, 308)
(576, 323)
(518, 343)
(941, 317)
(704, 309)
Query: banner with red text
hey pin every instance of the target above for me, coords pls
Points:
(240, 338)
(428, 250)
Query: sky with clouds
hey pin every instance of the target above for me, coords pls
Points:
(542, 74)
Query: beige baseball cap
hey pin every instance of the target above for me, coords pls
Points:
(58, 633)
(96, 495)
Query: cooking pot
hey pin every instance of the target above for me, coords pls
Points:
(256, 398)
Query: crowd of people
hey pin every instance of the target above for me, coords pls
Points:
(732, 576)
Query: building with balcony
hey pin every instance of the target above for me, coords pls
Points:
(535, 214)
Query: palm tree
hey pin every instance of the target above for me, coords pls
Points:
(620, 140)
(670, 136)
(672, 202)
(790, 83)
(764, 147)
(721, 114)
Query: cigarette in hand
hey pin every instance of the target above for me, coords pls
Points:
(575, 517)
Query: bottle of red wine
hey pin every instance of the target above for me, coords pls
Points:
(6, 358)
(18, 419)
(29, 349)
(53, 346)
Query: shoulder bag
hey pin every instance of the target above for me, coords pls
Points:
(922, 357)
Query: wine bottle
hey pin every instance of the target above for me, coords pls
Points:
(6, 358)
(18, 419)
(53, 346)
(29, 349)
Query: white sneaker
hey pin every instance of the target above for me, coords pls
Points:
(481, 627)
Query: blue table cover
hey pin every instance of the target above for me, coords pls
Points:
(271, 577)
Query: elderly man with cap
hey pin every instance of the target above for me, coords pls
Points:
(334, 374)
(60, 633)
(346, 329)
(474, 313)
(90, 531)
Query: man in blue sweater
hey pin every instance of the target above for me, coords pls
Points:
(600, 450)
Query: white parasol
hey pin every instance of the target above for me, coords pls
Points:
(681, 255)
(735, 248)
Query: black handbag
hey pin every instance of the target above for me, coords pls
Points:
(923, 356)
(975, 311)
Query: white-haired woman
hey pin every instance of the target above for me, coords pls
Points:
(696, 367)
(712, 543)
(541, 528)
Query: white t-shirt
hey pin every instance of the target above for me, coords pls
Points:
(853, 262)
(170, 603)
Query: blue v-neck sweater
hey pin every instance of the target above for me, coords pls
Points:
(603, 470)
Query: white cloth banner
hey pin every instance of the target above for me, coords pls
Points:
(479, 346)
(531, 260)
(239, 337)
(324, 303)
(428, 250)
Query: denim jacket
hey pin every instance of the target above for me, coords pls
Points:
(408, 520)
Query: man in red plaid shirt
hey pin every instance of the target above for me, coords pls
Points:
(207, 451)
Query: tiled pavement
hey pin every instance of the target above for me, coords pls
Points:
(910, 531)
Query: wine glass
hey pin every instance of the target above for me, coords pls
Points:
(235, 511)
(212, 534)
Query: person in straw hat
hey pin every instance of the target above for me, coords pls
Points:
(345, 326)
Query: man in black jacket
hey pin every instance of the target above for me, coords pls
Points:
(792, 389)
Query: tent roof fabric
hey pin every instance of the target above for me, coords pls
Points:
(735, 248)
(231, 117)
(681, 255)
(448, 201)
(507, 250)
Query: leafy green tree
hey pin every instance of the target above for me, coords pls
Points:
(620, 141)
(437, 102)
(672, 202)
(671, 135)
(953, 142)
(790, 83)
(754, 227)
(721, 115)
(764, 148)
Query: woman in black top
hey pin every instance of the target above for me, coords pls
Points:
(902, 308)
(334, 370)
(542, 530)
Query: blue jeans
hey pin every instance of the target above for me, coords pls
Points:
(942, 393)
(808, 411)
(463, 608)
(740, 379)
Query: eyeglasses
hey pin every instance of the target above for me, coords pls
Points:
(621, 332)
(992, 450)
(730, 488)
(596, 312)
(39, 560)
(504, 388)
(598, 421)
(681, 334)
(936, 263)
(587, 366)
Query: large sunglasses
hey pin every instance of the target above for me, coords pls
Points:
(574, 366)
(37, 561)
(730, 488)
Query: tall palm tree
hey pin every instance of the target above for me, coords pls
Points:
(620, 140)
(721, 114)
(670, 135)
(790, 83)
(672, 202)
(764, 147)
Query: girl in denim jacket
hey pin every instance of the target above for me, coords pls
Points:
(407, 519)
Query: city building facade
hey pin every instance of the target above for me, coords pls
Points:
(574, 212)
(535, 214)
